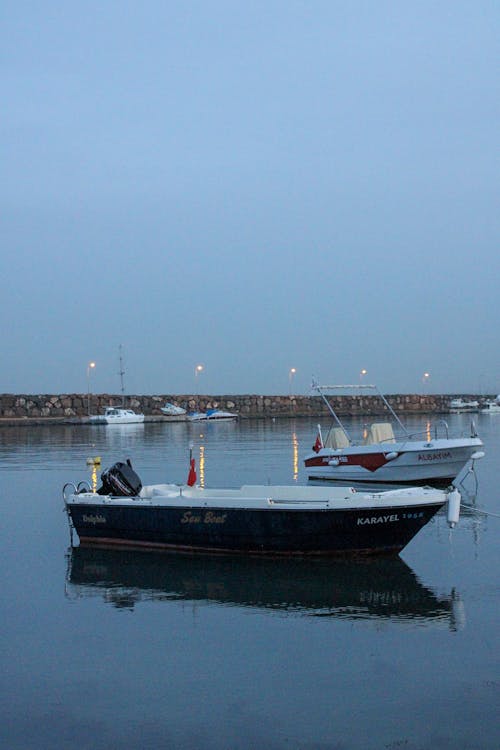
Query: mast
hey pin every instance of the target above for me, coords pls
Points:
(121, 373)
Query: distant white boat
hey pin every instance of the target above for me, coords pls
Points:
(212, 415)
(491, 407)
(114, 415)
(458, 406)
(171, 410)
(118, 415)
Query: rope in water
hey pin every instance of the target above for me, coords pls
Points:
(482, 512)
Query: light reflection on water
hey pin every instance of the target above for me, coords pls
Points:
(255, 653)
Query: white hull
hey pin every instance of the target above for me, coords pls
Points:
(402, 462)
(171, 410)
(137, 419)
(459, 406)
(491, 407)
(118, 416)
(267, 497)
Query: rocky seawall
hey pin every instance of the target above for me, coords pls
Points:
(77, 407)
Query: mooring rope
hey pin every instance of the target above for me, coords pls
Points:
(477, 510)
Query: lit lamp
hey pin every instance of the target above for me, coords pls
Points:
(90, 367)
(425, 378)
(197, 370)
(290, 378)
(362, 374)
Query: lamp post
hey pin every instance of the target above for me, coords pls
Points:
(362, 375)
(425, 379)
(90, 367)
(291, 374)
(197, 370)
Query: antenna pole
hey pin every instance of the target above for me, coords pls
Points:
(122, 373)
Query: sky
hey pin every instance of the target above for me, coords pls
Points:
(250, 187)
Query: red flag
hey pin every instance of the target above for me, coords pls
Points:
(192, 473)
(318, 444)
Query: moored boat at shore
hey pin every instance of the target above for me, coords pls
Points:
(254, 519)
(115, 415)
(212, 415)
(172, 410)
(491, 406)
(461, 406)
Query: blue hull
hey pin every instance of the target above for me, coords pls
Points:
(251, 531)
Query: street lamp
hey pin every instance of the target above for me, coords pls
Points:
(90, 367)
(197, 370)
(292, 372)
(425, 378)
(362, 375)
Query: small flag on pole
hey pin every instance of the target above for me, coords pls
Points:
(192, 473)
(318, 444)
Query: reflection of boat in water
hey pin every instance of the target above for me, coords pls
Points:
(384, 588)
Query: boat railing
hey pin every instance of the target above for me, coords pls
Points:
(444, 424)
(75, 489)
(68, 489)
(431, 428)
(322, 390)
(83, 486)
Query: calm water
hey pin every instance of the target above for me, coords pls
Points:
(137, 650)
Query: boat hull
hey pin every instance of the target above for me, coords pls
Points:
(325, 531)
(399, 463)
(118, 416)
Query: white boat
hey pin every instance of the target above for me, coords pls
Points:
(380, 456)
(115, 415)
(212, 415)
(118, 415)
(491, 407)
(459, 406)
(171, 410)
(264, 519)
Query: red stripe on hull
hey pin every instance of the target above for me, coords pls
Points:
(368, 461)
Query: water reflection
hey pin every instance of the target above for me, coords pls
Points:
(295, 454)
(384, 588)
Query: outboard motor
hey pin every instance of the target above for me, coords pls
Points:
(120, 479)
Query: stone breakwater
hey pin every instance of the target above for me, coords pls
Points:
(76, 407)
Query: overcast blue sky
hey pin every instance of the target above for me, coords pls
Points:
(253, 187)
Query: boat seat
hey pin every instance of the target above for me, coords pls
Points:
(336, 439)
(380, 432)
(159, 490)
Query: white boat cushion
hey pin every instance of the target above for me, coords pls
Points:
(380, 432)
(336, 439)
